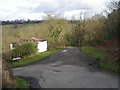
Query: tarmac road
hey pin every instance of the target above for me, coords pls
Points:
(68, 68)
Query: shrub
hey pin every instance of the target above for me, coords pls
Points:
(24, 50)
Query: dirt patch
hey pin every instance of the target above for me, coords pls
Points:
(111, 47)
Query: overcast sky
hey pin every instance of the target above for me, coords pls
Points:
(34, 9)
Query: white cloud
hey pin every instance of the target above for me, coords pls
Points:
(32, 16)
(73, 13)
(34, 9)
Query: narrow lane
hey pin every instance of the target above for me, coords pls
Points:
(68, 68)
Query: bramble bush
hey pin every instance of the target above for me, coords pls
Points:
(24, 50)
(7, 56)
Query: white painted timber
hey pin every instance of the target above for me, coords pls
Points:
(18, 58)
(42, 46)
(11, 46)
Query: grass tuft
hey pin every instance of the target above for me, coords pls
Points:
(20, 83)
(110, 66)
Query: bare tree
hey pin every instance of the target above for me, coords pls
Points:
(79, 31)
(113, 5)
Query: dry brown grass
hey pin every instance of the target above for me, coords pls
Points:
(7, 78)
(112, 47)
(26, 32)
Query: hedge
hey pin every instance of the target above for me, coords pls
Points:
(24, 50)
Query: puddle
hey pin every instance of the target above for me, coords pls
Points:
(56, 71)
(64, 51)
(56, 64)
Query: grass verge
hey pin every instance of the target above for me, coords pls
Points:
(98, 54)
(33, 58)
(20, 83)
(94, 53)
(110, 66)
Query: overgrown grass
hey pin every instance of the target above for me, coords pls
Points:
(33, 58)
(20, 83)
(98, 54)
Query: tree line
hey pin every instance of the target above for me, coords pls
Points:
(10, 22)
